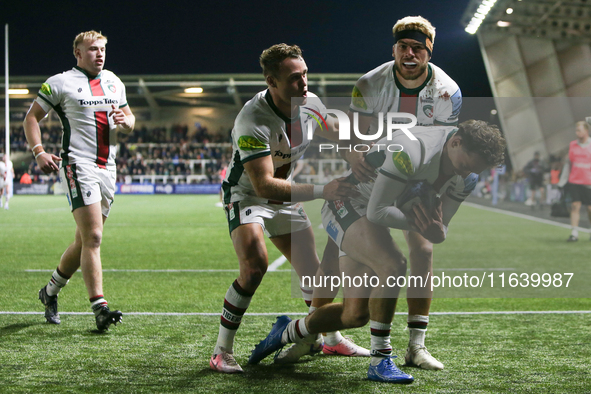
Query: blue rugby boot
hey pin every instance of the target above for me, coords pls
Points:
(387, 371)
(271, 343)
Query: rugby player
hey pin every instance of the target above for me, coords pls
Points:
(3, 181)
(409, 84)
(444, 157)
(92, 106)
(9, 188)
(268, 138)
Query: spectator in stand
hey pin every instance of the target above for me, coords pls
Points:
(576, 176)
(26, 179)
(555, 169)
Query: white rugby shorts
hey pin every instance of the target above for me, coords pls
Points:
(276, 219)
(86, 184)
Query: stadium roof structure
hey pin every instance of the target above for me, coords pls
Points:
(537, 55)
(155, 92)
(551, 19)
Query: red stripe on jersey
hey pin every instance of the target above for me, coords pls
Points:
(96, 88)
(294, 133)
(102, 138)
(408, 103)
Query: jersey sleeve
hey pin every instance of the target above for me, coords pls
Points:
(251, 140)
(361, 97)
(447, 108)
(404, 164)
(381, 209)
(397, 170)
(123, 100)
(50, 94)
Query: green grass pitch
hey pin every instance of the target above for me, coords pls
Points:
(482, 353)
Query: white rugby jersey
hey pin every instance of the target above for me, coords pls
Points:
(437, 101)
(83, 104)
(260, 129)
(3, 171)
(418, 161)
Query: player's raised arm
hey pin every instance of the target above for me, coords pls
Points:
(266, 185)
(47, 162)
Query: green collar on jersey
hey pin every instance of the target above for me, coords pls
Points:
(269, 99)
(86, 73)
(415, 91)
(451, 134)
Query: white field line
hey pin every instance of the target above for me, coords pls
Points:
(168, 270)
(217, 314)
(277, 263)
(271, 270)
(527, 217)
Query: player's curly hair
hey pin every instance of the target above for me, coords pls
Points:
(415, 23)
(88, 35)
(483, 139)
(272, 57)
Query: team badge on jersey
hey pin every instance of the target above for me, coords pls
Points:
(428, 110)
(341, 210)
(358, 100)
(403, 163)
(301, 211)
(46, 89)
(247, 142)
(112, 88)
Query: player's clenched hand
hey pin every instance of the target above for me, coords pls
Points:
(119, 117)
(339, 189)
(48, 162)
(362, 170)
(430, 224)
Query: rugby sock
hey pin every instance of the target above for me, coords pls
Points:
(235, 304)
(380, 341)
(417, 327)
(575, 232)
(332, 338)
(295, 331)
(307, 294)
(57, 281)
(97, 303)
(311, 309)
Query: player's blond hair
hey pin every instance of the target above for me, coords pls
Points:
(88, 35)
(272, 57)
(483, 139)
(584, 124)
(415, 23)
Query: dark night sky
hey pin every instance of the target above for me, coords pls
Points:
(194, 37)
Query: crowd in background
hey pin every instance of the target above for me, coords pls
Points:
(160, 151)
(535, 185)
(173, 151)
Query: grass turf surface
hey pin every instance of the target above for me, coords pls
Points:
(147, 353)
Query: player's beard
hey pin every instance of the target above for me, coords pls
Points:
(420, 70)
